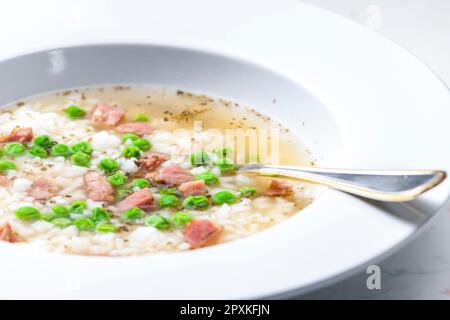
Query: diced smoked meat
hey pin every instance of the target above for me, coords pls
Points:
(172, 175)
(97, 187)
(139, 128)
(142, 199)
(7, 234)
(41, 189)
(152, 160)
(278, 188)
(4, 181)
(107, 115)
(200, 233)
(18, 135)
(191, 188)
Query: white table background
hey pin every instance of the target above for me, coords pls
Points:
(421, 270)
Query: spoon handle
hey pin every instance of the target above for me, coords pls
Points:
(384, 185)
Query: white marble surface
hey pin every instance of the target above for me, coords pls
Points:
(421, 270)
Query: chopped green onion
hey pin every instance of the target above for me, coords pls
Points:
(141, 117)
(14, 149)
(60, 211)
(84, 224)
(62, 222)
(82, 146)
(209, 178)
(81, 159)
(130, 136)
(196, 202)
(158, 222)
(60, 150)
(199, 158)
(247, 192)
(7, 165)
(133, 213)
(168, 201)
(222, 197)
(38, 151)
(117, 179)
(74, 112)
(43, 141)
(131, 152)
(77, 206)
(140, 183)
(99, 214)
(27, 213)
(108, 165)
(142, 144)
(106, 228)
(180, 219)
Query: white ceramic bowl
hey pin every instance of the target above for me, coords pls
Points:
(365, 102)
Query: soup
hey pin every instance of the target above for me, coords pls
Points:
(137, 170)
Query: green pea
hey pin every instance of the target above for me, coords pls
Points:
(47, 216)
(180, 219)
(82, 146)
(106, 228)
(130, 136)
(168, 201)
(196, 202)
(222, 197)
(74, 112)
(209, 178)
(140, 183)
(141, 117)
(60, 150)
(77, 206)
(142, 144)
(62, 222)
(28, 213)
(60, 211)
(108, 165)
(225, 164)
(123, 193)
(37, 151)
(131, 152)
(84, 224)
(158, 222)
(14, 149)
(81, 159)
(170, 191)
(7, 165)
(222, 151)
(199, 158)
(247, 192)
(117, 179)
(133, 214)
(43, 141)
(99, 214)
(1, 153)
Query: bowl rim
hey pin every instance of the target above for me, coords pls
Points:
(331, 196)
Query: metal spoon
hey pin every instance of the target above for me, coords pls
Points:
(384, 185)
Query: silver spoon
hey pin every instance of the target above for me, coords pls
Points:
(384, 185)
